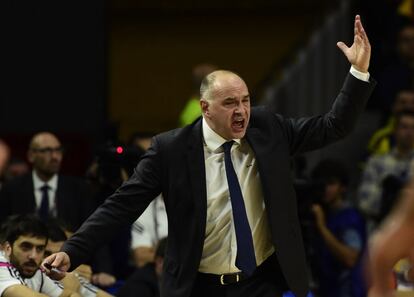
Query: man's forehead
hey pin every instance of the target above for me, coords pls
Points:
(31, 239)
(229, 83)
(45, 139)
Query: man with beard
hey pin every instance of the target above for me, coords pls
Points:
(11, 283)
(27, 236)
(44, 191)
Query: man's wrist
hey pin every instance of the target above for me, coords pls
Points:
(361, 75)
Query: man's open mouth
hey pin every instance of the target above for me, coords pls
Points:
(238, 124)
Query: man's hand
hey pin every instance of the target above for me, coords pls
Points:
(103, 279)
(359, 53)
(84, 271)
(56, 265)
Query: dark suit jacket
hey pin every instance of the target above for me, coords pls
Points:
(74, 201)
(174, 165)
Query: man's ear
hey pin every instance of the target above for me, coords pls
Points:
(204, 104)
(6, 247)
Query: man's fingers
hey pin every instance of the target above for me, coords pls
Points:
(357, 21)
(52, 266)
(359, 30)
(342, 46)
(57, 261)
(47, 262)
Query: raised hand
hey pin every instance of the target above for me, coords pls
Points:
(359, 53)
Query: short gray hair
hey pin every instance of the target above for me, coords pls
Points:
(205, 86)
(208, 82)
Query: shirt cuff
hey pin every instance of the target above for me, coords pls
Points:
(359, 75)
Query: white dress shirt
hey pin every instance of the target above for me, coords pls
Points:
(220, 245)
(38, 184)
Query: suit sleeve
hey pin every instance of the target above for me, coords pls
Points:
(305, 134)
(120, 209)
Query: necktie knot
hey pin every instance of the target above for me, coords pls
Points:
(44, 188)
(227, 146)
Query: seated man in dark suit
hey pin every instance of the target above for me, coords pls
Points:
(44, 191)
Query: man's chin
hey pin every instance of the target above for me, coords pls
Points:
(28, 272)
(238, 134)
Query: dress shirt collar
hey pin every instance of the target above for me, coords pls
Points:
(38, 183)
(212, 139)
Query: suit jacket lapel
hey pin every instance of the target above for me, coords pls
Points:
(264, 156)
(269, 161)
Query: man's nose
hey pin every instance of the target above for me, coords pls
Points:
(237, 108)
(33, 253)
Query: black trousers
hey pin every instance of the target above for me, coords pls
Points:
(266, 281)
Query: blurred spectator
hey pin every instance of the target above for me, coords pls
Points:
(151, 226)
(4, 159)
(385, 174)
(399, 74)
(27, 236)
(16, 167)
(146, 280)
(382, 140)
(192, 108)
(44, 191)
(56, 239)
(342, 234)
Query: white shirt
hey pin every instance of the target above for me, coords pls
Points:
(220, 246)
(151, 226)
(9, 276)
(38, 184)
(41, 283)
